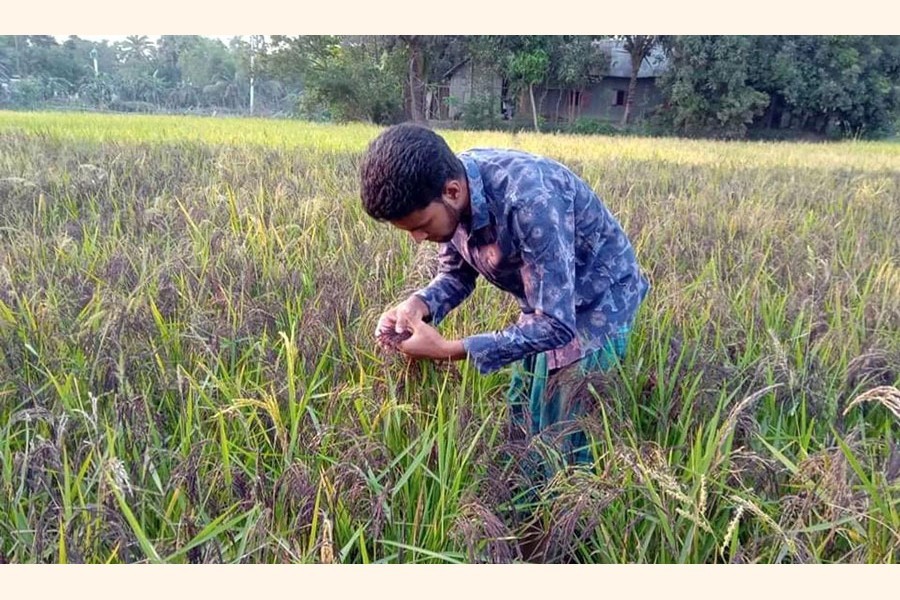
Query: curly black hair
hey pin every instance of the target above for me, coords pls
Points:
(404, 169)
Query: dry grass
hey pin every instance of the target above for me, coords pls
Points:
(187, 372)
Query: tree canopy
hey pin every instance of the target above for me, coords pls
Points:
(719, 86)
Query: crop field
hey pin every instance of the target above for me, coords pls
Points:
(188, 371)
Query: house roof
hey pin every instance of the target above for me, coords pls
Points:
(620, 60)
(454, 68)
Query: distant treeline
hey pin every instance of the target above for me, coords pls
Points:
(712, 86)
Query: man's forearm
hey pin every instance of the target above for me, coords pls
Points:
(533, 334)
(455, 350)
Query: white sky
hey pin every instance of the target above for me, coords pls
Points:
(118, 38)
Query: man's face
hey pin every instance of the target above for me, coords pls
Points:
(435, 223)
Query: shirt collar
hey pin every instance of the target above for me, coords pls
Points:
(477, 203)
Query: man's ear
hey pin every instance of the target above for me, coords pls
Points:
(453, 193)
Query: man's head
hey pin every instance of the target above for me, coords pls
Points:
(411, 178)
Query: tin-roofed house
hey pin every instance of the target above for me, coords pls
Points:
(604, 98)
(470, 86)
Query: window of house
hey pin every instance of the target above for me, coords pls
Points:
(619, 99)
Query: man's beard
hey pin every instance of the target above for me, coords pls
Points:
(457, 217)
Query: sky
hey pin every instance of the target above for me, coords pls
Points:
(118, 38)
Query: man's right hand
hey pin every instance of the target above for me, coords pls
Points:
(401, 318)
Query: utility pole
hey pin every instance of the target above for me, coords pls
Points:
(252, 70)
(94, 57)
(256, 42)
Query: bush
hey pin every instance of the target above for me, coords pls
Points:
(133, 106)
(27, 92)
(592, 126)
(481, 112)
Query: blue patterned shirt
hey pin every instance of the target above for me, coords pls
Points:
(540, 233)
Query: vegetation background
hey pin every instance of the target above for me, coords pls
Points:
(716, 86)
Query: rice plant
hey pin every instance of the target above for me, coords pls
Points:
(188, 373)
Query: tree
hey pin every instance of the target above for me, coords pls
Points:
(347, 80)
(78, 52)
(9, 56)
(416, 76)
(707, 90)
(206, 62)
(136, 48)
(526, 61)
(845, 84)
(577, 64)
(639, 48)
(429, 58)
(293, 59)
(36, 55)
(170, 49)
(828, 85)
(426, 58)
(528, 68)
(98, 90)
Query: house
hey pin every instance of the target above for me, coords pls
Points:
(462, 84)
(603, 99)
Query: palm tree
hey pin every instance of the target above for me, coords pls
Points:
(136, 47)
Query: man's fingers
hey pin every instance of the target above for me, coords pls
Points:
(408, 320)
(382, 326)
(403, 323)
(408, 345)
(385, 323)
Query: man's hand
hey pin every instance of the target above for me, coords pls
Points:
(426, 342)
(401, 318)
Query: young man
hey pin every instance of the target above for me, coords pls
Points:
(530, 227)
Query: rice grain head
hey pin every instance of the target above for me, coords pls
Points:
(756, 510)
(729, 531)
(886, 395)
(326, 550)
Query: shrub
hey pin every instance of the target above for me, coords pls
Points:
(481, 112)
(592, 126)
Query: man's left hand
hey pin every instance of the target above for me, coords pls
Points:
(426, 342)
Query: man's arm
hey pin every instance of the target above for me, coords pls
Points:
(546, 232)
(454, 283)
(426, 342)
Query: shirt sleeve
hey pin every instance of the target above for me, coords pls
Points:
(546, 231)
(454, 283)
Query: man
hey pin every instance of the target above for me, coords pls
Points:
(530, 227)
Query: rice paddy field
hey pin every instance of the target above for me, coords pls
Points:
(188, 373)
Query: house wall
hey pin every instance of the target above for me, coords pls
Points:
(471, 81)
(602, 102)
(556, 105)
(596, 102)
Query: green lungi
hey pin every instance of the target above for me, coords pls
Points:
(546, 410)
